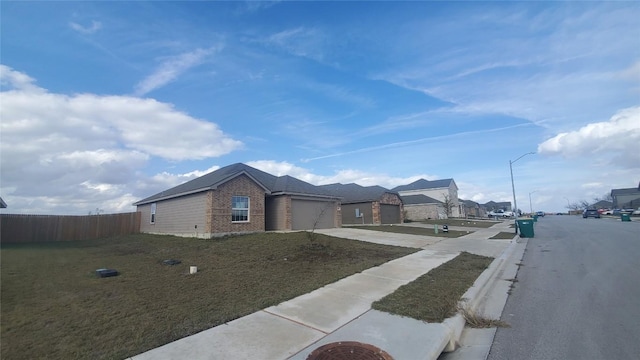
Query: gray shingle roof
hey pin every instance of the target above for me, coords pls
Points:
(271, 184)
(627, 191)
(354, 193)
(419, 199)
(424, 184)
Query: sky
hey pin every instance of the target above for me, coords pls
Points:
(106, 103)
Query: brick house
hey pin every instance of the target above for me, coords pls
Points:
(238, 199)
(441, 190)
(421, 207)
(367, 204)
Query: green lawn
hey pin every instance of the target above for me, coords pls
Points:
(434, 296)
(413, 230)
(53, 305)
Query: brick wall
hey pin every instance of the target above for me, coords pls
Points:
(221, 206)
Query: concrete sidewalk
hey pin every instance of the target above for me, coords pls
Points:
(342, 311)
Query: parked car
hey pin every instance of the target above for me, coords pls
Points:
(540, 213)
(501, 213)
(607, 212)
(636, 212)
(591, 213)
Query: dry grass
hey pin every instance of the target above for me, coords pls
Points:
(503, 235)
(54, 307)
(413, 230)
(461, 222)
(478, 321)
(434, 296)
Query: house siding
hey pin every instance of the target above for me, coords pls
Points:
(183, 216)
(242, 185)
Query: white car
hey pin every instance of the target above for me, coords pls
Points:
(636, 211)
(501, 213)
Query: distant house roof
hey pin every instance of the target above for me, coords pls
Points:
(497, 205)
(2, 204)
(274, 185)
(602, 204)
(627, 191)
(354, 193)
(469, 203)
(419, 199)
(425, 184)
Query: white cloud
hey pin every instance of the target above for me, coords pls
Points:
(301, 41)
(71, 153)
(344, 176)
(171, 68)
(616, 141)
(95, 26)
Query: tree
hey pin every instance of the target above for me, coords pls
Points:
(311, 235)
(575, 206)
(448, 204)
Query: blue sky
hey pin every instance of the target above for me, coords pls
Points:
(105, 103)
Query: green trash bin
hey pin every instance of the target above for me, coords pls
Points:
(625, 217)
(526, 228)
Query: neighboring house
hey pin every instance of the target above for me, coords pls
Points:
(442, 190)
(238, 199)
(602, 204)
(492, 206)
(473, 209)
(367, 204)
(421, 207)
(2, 204)
(626, 198)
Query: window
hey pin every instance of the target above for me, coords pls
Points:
(153, 213)
(240, 209)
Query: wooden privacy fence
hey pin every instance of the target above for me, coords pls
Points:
(16, 228)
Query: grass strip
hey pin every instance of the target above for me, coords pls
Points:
(413, 230)
(434, 296)
(55, 307)
(503, 235)
(461, 222)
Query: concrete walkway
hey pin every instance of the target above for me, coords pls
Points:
(342, 311)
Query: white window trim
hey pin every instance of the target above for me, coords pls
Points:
(152, 216)
(248, 209)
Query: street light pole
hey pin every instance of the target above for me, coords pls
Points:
(530, 206)
(513, 188)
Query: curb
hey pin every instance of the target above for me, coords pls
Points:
(473, 295)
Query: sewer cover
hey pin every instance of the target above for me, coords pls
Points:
(348, 350)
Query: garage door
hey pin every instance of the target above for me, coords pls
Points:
(305, 212)
(390, 214)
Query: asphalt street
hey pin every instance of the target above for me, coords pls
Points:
(577, 294)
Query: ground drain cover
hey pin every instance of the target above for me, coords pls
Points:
(348, 350)
(171, 262)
